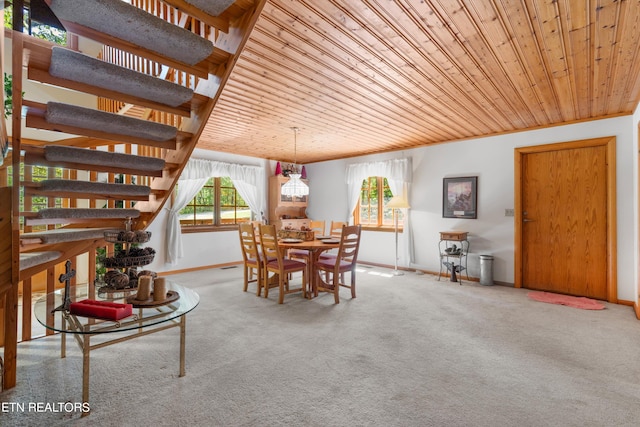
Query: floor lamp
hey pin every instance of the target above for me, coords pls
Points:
(397, 202)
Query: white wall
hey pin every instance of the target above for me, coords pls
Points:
(492, 160)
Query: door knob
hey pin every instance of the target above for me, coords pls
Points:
(527, 220)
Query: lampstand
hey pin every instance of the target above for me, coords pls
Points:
(397, 202)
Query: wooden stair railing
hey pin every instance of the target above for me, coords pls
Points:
(226, 33)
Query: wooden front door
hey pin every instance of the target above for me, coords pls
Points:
(564, 222)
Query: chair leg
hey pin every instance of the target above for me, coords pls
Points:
(336, 288)
(318, 281)
(259, 274)
(353, 284)
(265, 282)
(281, 285)
(246, 278)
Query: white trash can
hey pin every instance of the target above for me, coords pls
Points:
(486, 270)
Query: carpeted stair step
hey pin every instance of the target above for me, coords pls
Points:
(71, 65)
(32, 259)
(58, 66)
(102, 125)
(95, 160)
(88, 118)
(77, 215)
(61, 235)
(88, 190)
(127, 27)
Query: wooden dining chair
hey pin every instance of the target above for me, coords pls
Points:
(256, 226)
(275, 262)
(252, 257)
(318, 229)
(334, 269)
(335, 230)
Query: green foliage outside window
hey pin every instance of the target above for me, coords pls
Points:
(40, 31)
(8, 95)
(35, 29)
(374, 196)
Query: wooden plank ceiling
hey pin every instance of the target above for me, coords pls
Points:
(368, 76)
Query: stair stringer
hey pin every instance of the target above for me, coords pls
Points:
(232, 42)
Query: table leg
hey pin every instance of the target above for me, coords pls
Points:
(312, 259)
(86, 349)
(183, 336)
(63, 340)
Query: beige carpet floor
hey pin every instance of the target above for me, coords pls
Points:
(409, 351)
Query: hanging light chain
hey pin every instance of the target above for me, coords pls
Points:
(295, 149)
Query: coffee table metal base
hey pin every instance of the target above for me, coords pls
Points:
(84, 342)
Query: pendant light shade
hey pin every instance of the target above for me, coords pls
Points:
(295, 187)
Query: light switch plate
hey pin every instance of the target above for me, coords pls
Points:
(509, 212)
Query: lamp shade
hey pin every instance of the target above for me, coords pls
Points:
(398, 202)
(294, 187)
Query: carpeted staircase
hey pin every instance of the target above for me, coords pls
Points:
(173, 59)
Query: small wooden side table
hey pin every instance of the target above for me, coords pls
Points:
(454, 245)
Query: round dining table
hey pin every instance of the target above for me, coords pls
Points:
(315, 248)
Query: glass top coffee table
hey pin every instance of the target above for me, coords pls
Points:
(145, 320)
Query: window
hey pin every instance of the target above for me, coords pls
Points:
(371, 211)
(217, 204)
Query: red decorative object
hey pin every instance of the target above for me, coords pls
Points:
(278, 169)
(303, 173)
(101, 309)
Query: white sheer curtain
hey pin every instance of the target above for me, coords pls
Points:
(398, 174)
(248, 180)
(188, 190)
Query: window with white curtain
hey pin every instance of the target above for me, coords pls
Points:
(245, 181)
(217, 204)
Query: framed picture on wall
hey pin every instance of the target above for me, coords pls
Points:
(460, 197)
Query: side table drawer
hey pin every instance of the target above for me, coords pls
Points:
(453, 235)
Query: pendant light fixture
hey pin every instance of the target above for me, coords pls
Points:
(295, 187)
